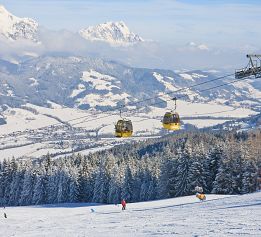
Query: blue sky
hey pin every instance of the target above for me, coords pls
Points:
(223, 23)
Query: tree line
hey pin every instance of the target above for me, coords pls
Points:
(172, 166)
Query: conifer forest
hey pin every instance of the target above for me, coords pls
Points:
(171, 166)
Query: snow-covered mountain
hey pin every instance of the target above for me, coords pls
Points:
(115, 33)
(94, 83)
(14, 28)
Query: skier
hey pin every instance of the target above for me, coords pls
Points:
(5, 216)
(123, 203)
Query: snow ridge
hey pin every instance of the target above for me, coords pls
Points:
(14, 28)
(115, 33)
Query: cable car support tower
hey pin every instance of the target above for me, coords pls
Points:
(253, 67)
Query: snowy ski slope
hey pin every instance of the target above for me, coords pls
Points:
(220, 215)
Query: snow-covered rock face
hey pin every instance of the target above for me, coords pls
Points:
(115, 33)
(14, 28)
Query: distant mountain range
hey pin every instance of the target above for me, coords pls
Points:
(115, 33)
(94, 83)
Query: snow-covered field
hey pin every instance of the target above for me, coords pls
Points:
(220, 215)
(21, 119)
(27, 133)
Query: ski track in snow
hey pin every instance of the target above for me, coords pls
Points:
(220, 215)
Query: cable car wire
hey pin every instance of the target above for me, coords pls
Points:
(228, 83)
(156, 103)
(133, 103)
(138, 102)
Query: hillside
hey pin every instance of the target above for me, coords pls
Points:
(93, 83)
(220, 215)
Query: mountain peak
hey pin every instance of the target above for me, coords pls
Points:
(116, 33)
(14, 28)
(2, 9)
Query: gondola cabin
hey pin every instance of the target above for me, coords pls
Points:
(123, 128)
(171, 121)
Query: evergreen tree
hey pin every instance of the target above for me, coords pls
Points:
(250, 176)
(211, 165)
(86, 179)
(27, 186)
(16, 187)
(73, 185)
(39, 190)
(182, 182)
(114, 195)
(100, 186)
(127, 188)
(224, 183)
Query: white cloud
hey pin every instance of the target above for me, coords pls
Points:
(145, 54)
(193, 45)
(203, 47)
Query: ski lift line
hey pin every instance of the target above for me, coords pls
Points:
(166, 100)
(176, 91)
(157, 103)
(131, 104)
(201, 91)
(183, 96)
(242, 79)
(152, 98)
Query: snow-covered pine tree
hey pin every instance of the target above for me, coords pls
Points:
(211, 164)
(168, 170)
(28, 185)
(250, 176)
(9, 170)
(224, 181)
(63, 185)
(197, 172)
(73, 184)
(103, 175)
(128, 185)
(16, 186)
(83, 191)
(115, 184)
(4, 178)
(39, 189)
(182, 182)
(52, 185)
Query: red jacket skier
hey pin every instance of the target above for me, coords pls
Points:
(123, 203)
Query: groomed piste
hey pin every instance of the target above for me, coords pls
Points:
(219, 215)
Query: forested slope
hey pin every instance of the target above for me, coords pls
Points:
(222, 163)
